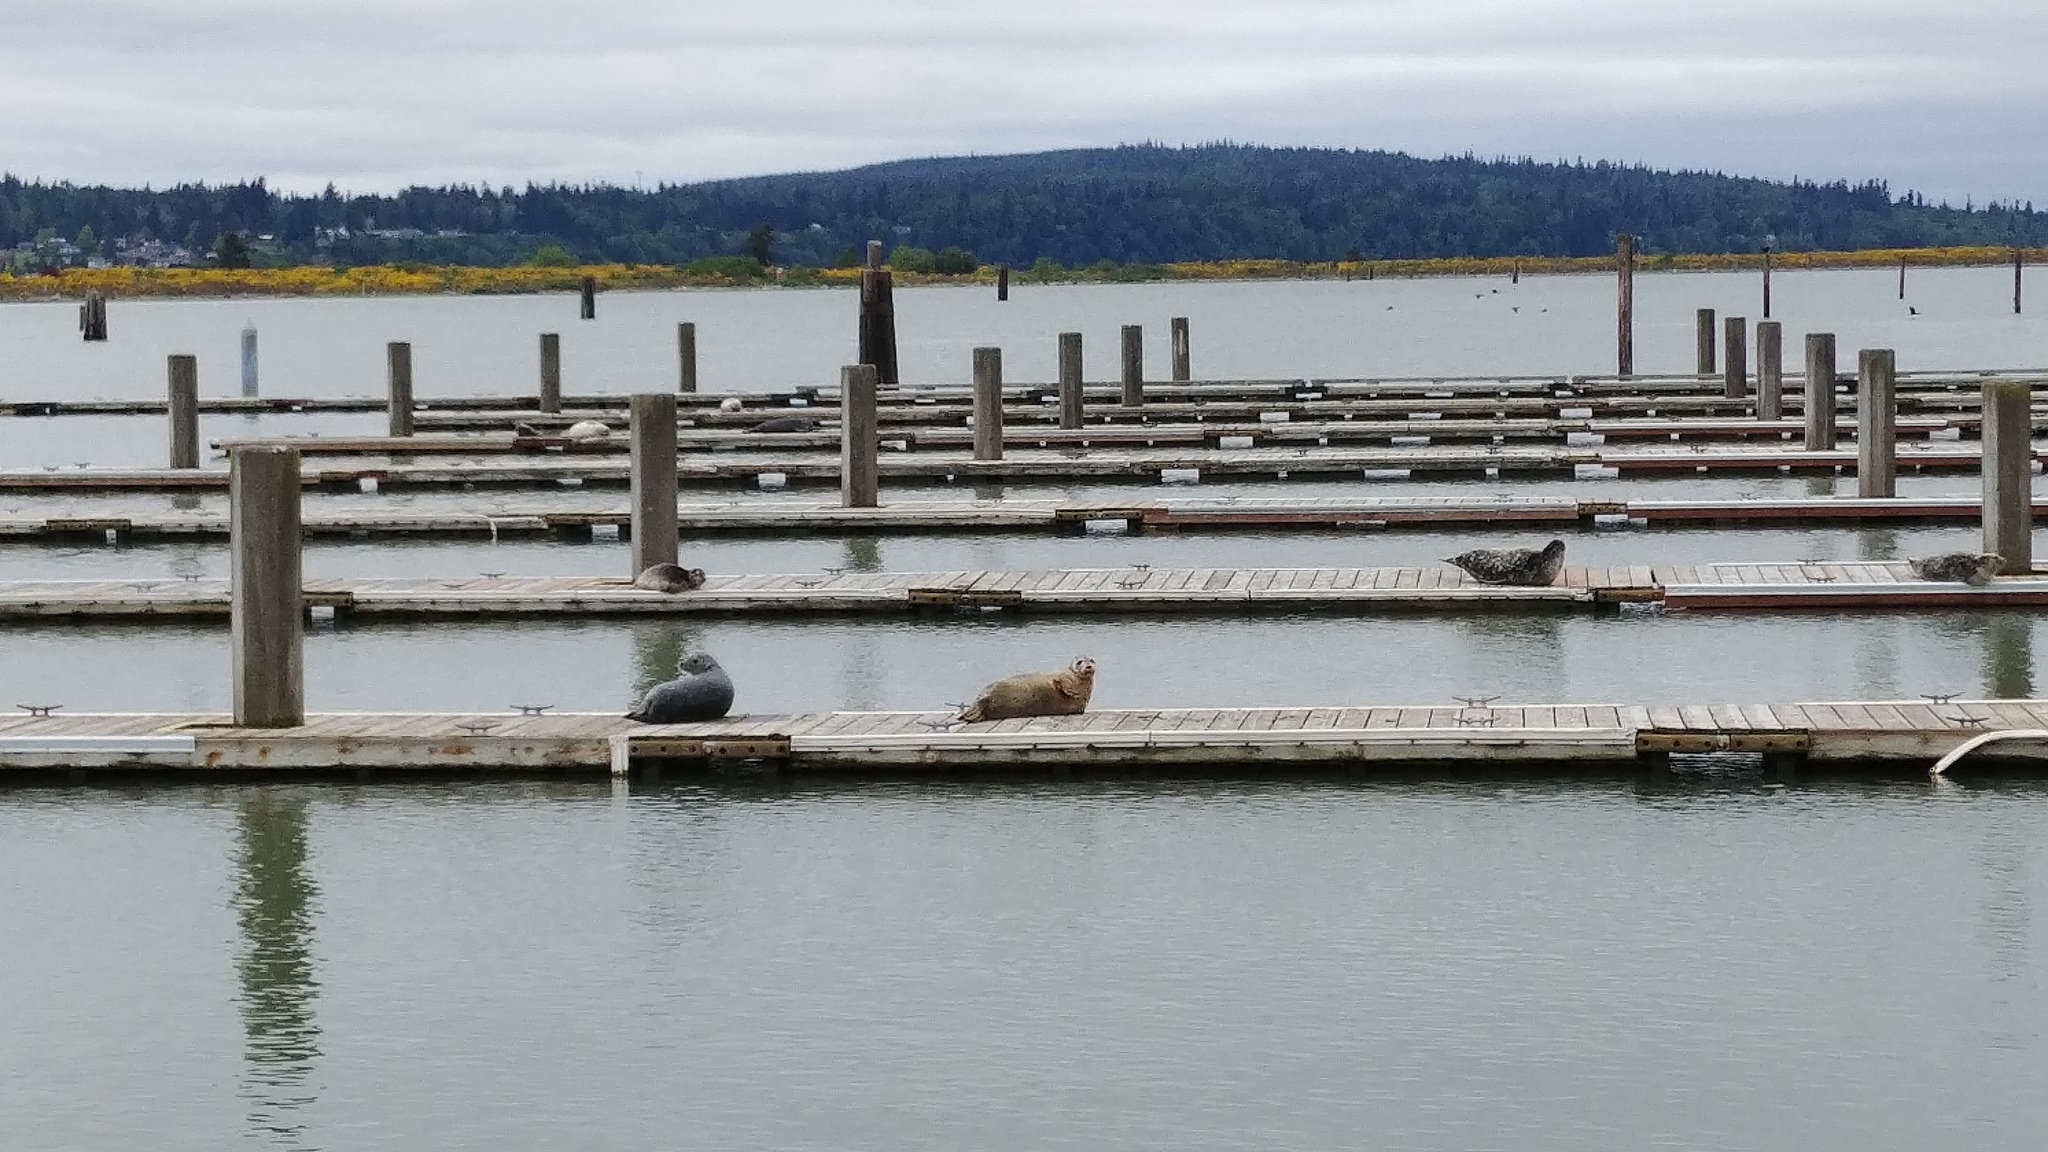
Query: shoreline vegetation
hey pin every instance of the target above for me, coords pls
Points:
(739, 272)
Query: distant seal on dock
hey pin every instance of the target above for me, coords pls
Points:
(670, 578)
(700, 691)
(786, 424)
(1522, 566)
(1062, 693)
(587, 431)
(1957, 567)
(525, 431)
(730, 404)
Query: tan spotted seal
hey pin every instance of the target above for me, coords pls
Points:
(1062, 693)
(670, 578)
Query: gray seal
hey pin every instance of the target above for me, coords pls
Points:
(670, 578)
(1525, 566)
(700, 691)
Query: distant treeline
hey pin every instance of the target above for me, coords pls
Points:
(1130, 205)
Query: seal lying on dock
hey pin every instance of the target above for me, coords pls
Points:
(587, 431)
(1964, 567)
(1525, 566)
(670, 578)
(701, 691)
(1062, 693)
(786, 424)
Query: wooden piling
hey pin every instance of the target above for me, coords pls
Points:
(1517, 277)
(1625, 305)
(550, 372)
(686, 357)
(2009, 476)
(653, 477)
(267, 590)
(398, 384)
(1703, 342)
(249, 378)
(1070, 379)
(1902, 278)
(1183, 369)
(1134, 364)
(1770, 370)
(878, 317)
(988, 403)
(860, 472)
(92, 317)
(2019, 264)
(1820, 391)
(1735, 357)
(184, 410)
(1877, 458)
(589, 311)
(1002, 282)
(1767, 281)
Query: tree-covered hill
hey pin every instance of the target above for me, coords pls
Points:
(1139, 204)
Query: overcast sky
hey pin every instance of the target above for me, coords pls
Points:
(1949, 97)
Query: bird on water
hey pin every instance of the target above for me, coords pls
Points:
(1534, 567)
(1957, 567)
(700, 691)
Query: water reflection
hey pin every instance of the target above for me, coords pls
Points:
(273, 904)
(657, 649)
(2008, 656)
(863, 554)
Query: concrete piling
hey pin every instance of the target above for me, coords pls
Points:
(2009, 475)
(267, 598)
(249, 380)
(398, 386)
(1183, 369)
(1770, 370)
(988, 403)
(860, 472)
(1134, 365)
(1877, 458)
(184, 410)
(550, 372)
(686, 357)
(1703, 342)
(1820, 392)
(1070, 380)
(653, 478)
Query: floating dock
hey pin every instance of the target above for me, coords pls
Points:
(1881, 735)
(1138, 589)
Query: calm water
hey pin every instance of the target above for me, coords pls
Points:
(1510, 966)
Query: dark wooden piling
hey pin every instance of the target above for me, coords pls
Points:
(1517, 277)
(184, 411)
(878, 317)
(1002, 282)
(1767, 281)
(1877, 434)
(92, 317)
(2009, 475)
(550, 372)
(1625, 305)
(1820, 391)
(1703, 342)
(1902, 278)
(860, 471)
(1070, 380)
(652, 473)
(398, 386)
(1183, 367)
(1770, 370)
(1134, 364)
(589, 310)
(686, 357)
(2019, 265)
(1735, 357)
(988, 403)
(267, 598)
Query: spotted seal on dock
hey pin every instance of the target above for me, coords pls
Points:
(1957, 567)
(700, 691)
(786, 424)
(1529, 567)
(670, 578)
(1062, 693)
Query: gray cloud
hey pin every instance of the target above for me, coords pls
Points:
(374, 94)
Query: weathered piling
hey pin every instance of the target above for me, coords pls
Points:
(878, 317)
(184, 410)
(1070, 379)
(2009, 475)
(1183, 367)
(988, 403)
(653, 477)
(1820, 392)
(1767, 281)
(1770, 370)
(1902, 279)
(860, 471)
(589, 310)
(2019, 265)
(1517, 277)
(1134, 364)
(249, 379)
(1002, 282)
(1877, 458)
(267, 598)
(550, 372)
(686, 357)
(92, 317)
(1625, 305)
(1735, 357)
(1703, 342)
(398, 386)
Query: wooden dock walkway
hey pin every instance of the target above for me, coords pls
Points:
(1878, 735)
(1137, 589)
